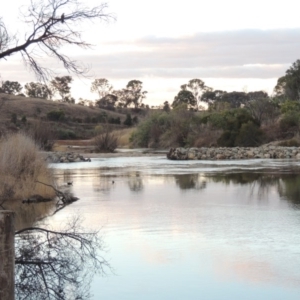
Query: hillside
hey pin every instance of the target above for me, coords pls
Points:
(80, 120)
(32, 107)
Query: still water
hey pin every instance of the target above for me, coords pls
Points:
(191, 230)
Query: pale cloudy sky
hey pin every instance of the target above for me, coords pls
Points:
(231, 45)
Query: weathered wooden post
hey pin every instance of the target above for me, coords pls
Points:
(7, 255)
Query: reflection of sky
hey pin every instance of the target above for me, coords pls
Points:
(222, 241)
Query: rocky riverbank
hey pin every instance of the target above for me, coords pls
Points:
(65, 157)
(271, 152)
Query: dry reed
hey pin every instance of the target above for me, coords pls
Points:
(21, 166)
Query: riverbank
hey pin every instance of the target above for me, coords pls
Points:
(204, 153)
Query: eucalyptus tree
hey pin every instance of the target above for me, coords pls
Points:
(102, 87)
(61, 85)
(10, 87)
(38, 90)
(197, 87)
(288, 86)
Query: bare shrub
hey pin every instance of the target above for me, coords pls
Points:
(21, 166)
(43, 135)
(106, 142)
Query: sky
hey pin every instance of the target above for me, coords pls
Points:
(231, 45)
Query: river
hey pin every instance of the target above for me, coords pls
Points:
(190, 229)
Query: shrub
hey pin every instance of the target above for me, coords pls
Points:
(128, 120)
(105, 142)
(56, 115)
(290, 143)
(289, 123)
(249, 135)
(66, 134)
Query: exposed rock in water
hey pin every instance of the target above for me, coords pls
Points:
(66, 157)
(204, 153)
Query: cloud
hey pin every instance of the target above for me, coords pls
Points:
(233, 54)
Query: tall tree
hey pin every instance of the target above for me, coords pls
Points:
(61, 85)
(133, 94)
(102, 87)
(54, 24)
(289, 85)
(185, 97)
(197, 87)
(38, 90)
(10, 87)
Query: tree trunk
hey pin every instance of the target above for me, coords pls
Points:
(7, 255)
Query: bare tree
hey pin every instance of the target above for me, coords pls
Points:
(54, 24)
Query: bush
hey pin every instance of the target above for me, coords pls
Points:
(56, 115)
(250, 135)
(128, 120)
(105, 142)
(290, 143)
(66, 134)
(289, 123)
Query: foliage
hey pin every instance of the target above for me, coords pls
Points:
(262, 109)
(56, 115)
(232, 99)
(61, 85)
(38, 90)
(132, 95)
(289, 84)
(14, 118)
(290, 106)
(166, 106)
(184, 97)
(197, 87)
(128, 120)
(66, 134)
(289, 123)
(10, 87)
(102, 87)
(249, 135)
(232, 121)
(54, 25)
(162, 129)
(107, 102)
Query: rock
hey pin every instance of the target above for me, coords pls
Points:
(266, 152)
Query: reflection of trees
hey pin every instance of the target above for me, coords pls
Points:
(103, 184)
(289, 188)
(56, 265)
(135, 183)
(288, 185)
(189, 181)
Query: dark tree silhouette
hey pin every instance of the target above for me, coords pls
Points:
(54, 25)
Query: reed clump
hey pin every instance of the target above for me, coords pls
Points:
(22, 168)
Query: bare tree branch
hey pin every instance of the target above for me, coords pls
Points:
(54, 24)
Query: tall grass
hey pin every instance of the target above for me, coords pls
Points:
(21, 166)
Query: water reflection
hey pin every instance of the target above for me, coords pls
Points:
(135, 182)
(190, 181)
(234, 229)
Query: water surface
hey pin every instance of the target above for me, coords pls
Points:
(191, 229)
